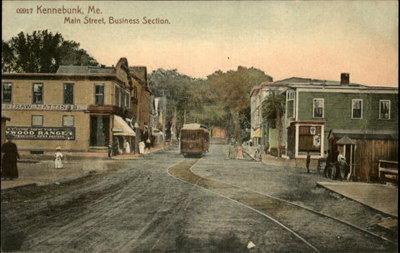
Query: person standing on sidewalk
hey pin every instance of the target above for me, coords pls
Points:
(9, 161)
(239, 154)
(58, 158)
(110, 150)
(308, 160)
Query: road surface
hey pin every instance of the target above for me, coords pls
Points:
(151, 205)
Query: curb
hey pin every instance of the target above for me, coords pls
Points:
(344, 196)
(20, 186)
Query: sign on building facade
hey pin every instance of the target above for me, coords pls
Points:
(41, 133)
(43, 107)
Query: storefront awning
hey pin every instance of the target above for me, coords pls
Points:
(121, 127)
(256, 133)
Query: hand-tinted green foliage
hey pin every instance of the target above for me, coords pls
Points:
(223, 99)
(233, 88)
(42, 51)
(273, 108)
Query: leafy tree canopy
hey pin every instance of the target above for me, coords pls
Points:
(273, 108)
(42, 52)
(222, 99)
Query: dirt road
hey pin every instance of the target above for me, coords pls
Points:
(138, 207)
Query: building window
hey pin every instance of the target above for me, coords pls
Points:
(37, 93)
(356, 108)
(135, 92)
(318, 108)
(6, 93)
(37, 120)
(116, 95)
(120, 97)
(99, 130)
(290, 104)
(68, 120)
(126, 99)
(68, 93)
(384, 109)
(99, 94)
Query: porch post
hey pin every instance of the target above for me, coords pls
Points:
(296, 143)
(322, 140)
(351, 163)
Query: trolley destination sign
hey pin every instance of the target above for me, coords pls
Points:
(41, 133)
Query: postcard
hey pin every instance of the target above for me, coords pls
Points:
(199, 126)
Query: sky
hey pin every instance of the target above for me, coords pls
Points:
(313, 39)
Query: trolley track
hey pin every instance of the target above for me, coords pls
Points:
(316, 230)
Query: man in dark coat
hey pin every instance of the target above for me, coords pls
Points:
(9, 161)
(308, 160)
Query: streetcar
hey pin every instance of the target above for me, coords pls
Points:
(194, 140)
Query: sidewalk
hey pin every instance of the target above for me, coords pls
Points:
(135, 156)
(42, 172)
(377, 196)
(279, 161)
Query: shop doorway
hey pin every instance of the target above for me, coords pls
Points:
(99, 130)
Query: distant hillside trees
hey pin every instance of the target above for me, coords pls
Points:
(222, 99)
(233, 89)
(42, 51)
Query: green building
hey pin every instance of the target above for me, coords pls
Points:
(317, 108)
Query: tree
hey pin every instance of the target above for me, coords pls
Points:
(179, 90)
(233, 90)
(223, 99)
(273, 109)
(42, 51)
(7, 59)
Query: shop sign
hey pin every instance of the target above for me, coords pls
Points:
(41, 133)
(31, 107)
(317, 140)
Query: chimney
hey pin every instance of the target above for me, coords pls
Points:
(344, 78)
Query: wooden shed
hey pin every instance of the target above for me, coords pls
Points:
(363, 150)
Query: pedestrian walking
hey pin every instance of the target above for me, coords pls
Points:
(257, 154)
(9, 161)
(110, 150)
(342, 167)
(239, 152)
(147, 144)
(58, 158)
(141, 147)
(127, 147)
(115, 147)
(308, 160)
